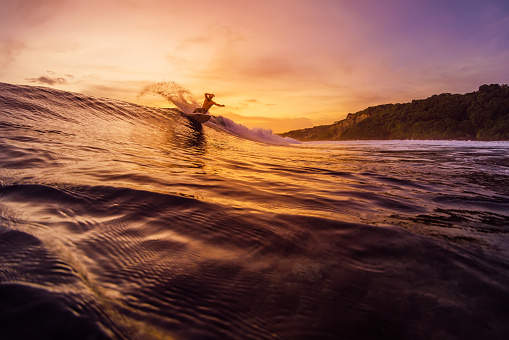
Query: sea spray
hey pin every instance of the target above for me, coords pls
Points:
(184, 100)
(174, 93)
(255, 134)
(166, 230)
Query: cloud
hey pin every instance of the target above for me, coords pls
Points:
(16, 18)
(280, 66)
(50, 79)
(9, 50)
(256, 101)
(47, 80)
(222, 37)
(20, 14)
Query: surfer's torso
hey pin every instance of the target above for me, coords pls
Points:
(207, 103)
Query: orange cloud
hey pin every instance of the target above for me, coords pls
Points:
(51, 79)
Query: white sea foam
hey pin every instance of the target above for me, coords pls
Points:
(254, 134)
(183, 99)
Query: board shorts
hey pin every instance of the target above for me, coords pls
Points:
(200, 110)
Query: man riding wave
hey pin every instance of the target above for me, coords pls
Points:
(207, 104)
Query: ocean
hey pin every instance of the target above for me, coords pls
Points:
(119, 221)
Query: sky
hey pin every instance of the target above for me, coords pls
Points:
(276, 64)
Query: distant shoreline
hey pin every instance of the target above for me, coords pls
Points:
(478, 116)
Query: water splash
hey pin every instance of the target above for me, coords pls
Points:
(183, 99)
(174, 93)
(256, 134)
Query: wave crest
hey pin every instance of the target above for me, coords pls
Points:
(174, 93)
(255, 134)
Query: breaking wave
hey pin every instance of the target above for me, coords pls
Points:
(121, 221)
(184, 100)
(254, 134)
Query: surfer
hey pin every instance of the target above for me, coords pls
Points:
(207, 104)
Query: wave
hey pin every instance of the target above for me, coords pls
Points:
(46, 109)
(255, 134)
(184, 100)
(32, 105)
(120, 221)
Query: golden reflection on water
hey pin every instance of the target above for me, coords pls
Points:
(175, 156)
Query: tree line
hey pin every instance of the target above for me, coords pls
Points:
(479, 115)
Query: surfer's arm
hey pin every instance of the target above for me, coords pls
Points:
(219, 104)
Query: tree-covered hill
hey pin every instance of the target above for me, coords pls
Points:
(479, 115)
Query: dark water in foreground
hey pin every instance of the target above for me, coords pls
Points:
(125, 222)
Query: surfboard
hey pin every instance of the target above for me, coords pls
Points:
(199, 117)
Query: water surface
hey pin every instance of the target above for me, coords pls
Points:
(125, 222)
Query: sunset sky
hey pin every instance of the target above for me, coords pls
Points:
(279, 64)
